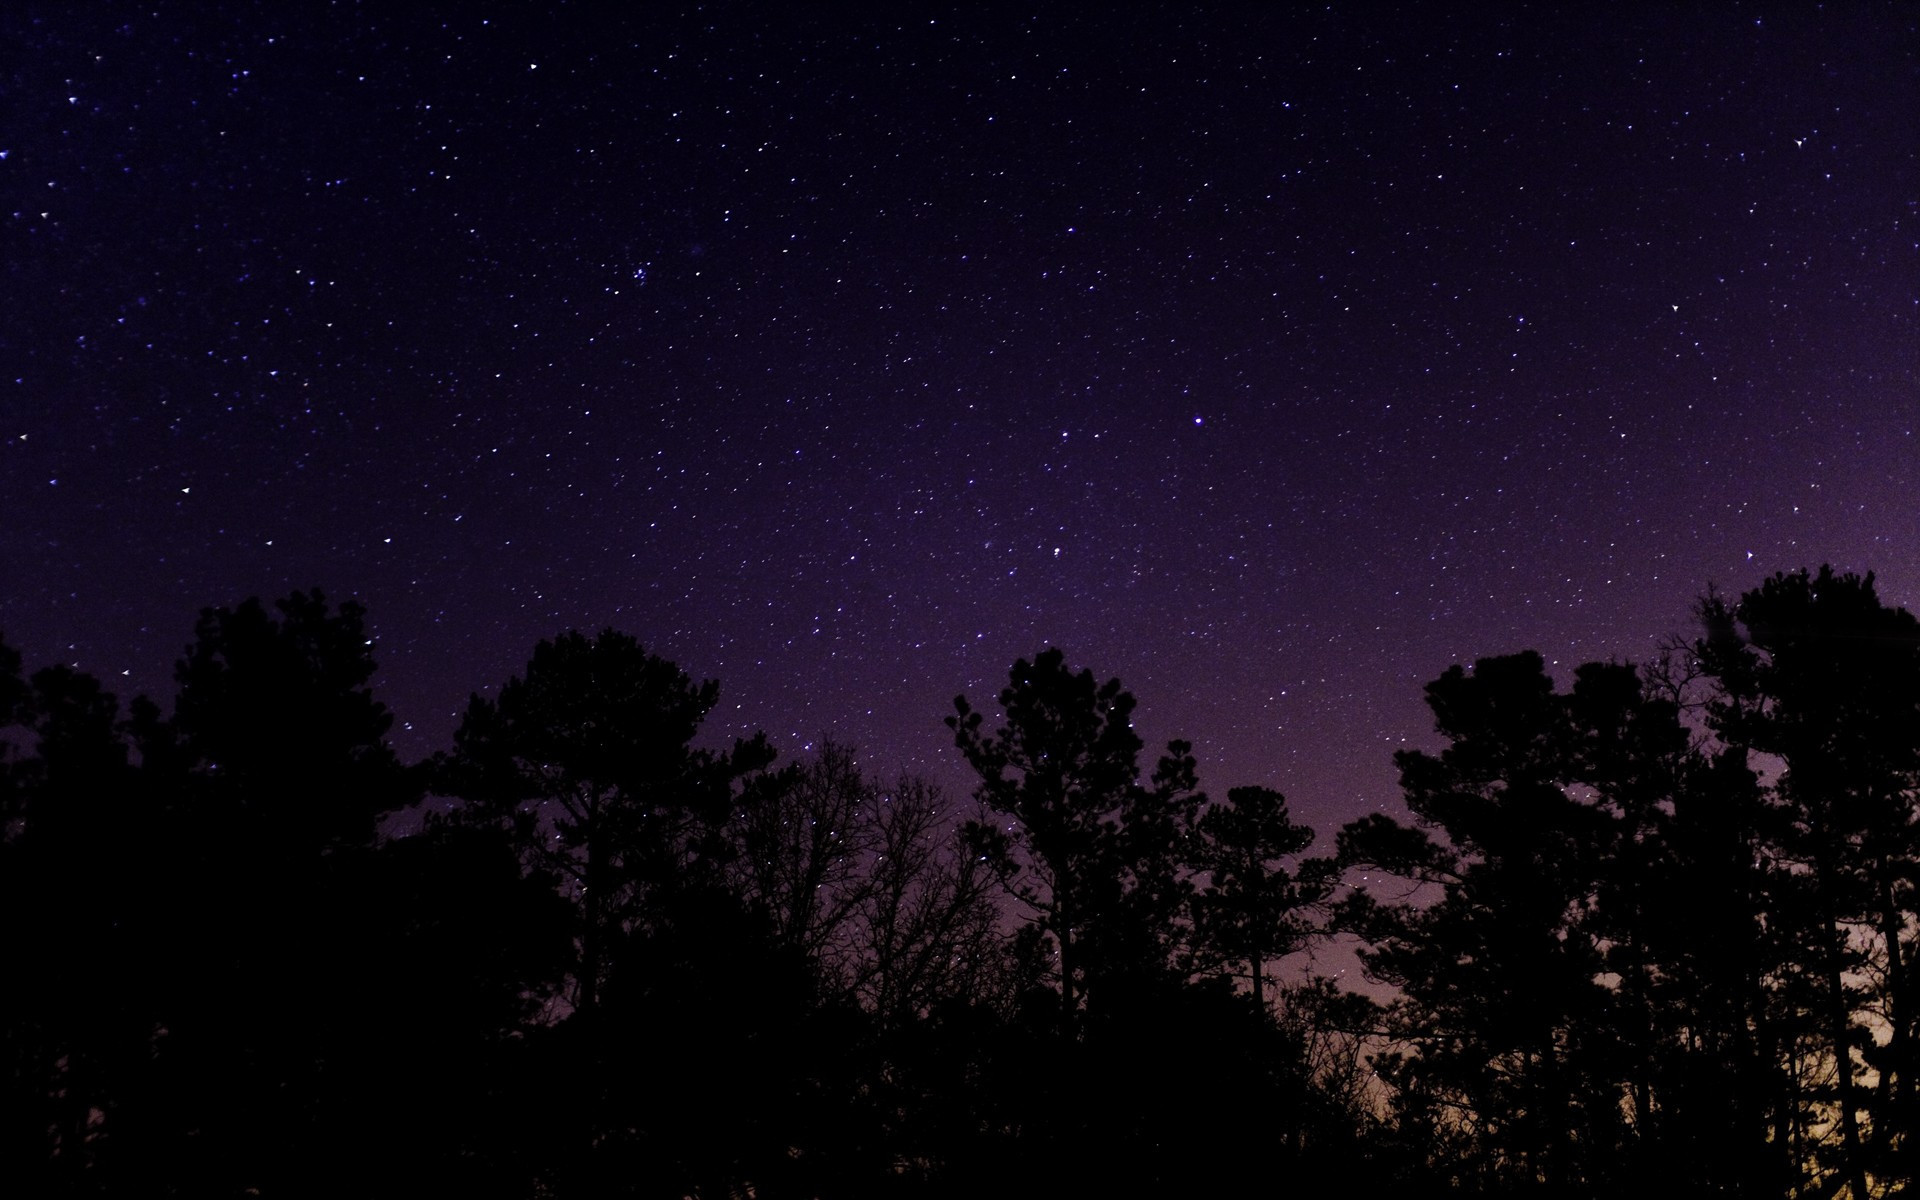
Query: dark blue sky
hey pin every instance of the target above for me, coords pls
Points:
(1271, 360)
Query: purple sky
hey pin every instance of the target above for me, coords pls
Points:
(1269, 361)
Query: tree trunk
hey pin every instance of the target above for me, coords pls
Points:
(593, 898)
(1840, 1026)
(1069, 1001)
(1893, 1079)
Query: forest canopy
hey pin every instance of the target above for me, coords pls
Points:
(1654, 925)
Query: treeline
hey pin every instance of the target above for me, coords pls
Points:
(1653, 931)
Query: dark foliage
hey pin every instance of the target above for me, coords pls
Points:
(1655, 931)
(1091, 849)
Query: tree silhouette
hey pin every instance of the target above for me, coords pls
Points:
(805, 834)
(277, 726)
(462, 945)
(1655, 931)
(691, 991)
(587, 759)
(1501, 971)
(927, 927)
(259, 795)
(1252, 909)
(1090, 848)
(78, 890)
(1817, 674)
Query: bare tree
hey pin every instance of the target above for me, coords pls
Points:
(928, 922)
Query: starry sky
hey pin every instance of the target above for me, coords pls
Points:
(1272, 359)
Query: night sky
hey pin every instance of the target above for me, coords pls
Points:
(1270, 360)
